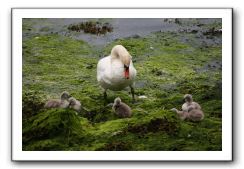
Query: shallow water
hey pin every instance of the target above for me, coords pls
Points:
(123, 28)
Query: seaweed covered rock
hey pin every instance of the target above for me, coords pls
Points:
(117, 146)
(163, 121)
(169, 64)
(92, 27)
(101, 114)
(32, 103)
(64, 126)
(136, 133)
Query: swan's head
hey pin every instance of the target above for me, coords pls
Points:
(188, 98)
(119, 52)
(65, 96)
(127, 71)
(126, 59)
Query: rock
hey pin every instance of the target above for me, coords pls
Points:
(142, 97)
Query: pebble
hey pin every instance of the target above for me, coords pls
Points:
(142, 97)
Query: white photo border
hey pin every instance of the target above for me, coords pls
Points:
(227, 147)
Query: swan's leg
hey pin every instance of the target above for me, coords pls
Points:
(133, 93)
(105, 94)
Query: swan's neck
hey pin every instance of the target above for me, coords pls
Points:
(119, 52)
(125, 60)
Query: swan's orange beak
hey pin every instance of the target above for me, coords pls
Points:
(127, 73)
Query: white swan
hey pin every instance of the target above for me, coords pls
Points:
(116, 71)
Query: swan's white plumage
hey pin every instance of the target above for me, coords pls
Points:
(110, 71)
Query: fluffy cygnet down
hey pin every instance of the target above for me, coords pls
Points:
(193, 115)
(189, 104)
(59, 103)
(121, 109)
(75, 104)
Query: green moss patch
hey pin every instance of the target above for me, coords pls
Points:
(167, 69)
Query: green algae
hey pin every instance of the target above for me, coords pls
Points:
(167, 69)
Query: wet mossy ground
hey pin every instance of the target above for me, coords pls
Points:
(168, 67)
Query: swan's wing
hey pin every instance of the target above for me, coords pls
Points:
(104, 70)
(101, 68)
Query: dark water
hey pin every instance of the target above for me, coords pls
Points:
(122, 28)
